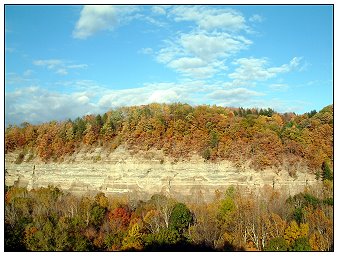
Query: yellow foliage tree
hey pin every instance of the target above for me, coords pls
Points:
(294, 231)
(133, 241)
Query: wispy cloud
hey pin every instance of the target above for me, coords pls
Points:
(210, 19)
(146, 50)
(18, 79)
(279, 87)
(10, 49)
(60, 67)
(256, 18)
(251, 70)
(159, 10)
(28, 72)
(50, 63)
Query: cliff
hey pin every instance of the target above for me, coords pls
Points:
(139, 175)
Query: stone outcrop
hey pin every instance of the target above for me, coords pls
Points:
(143, 174)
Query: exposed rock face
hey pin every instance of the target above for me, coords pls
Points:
(140, 175)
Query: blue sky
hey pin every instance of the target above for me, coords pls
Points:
(67, 61)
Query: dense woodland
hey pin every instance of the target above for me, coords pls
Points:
(261, 136)
(48, 219)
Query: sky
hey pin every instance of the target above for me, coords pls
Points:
(67, 61)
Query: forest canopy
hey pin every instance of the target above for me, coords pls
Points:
(262, 136)
(49, 219)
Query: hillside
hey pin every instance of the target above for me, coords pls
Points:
(262, 137)
(171, 178)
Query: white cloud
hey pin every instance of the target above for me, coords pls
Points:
(213, 39)
(186, 63)
(34, 105)
(237, 94)
(210, 18)
(28, 72)
(10, 49)
(256, 18)
(234, 97)
(15, 79)
(170, 52)
(161, 93)
(279, 87)
(195, 67)
(78, 66)
(213, 46)
(153, 21)
(61, 71)
(59, 66)
(95, 18)
(202, 54)
(158, 10)
(164, 96)
(83, 99)
(50, 64)
(253, 69)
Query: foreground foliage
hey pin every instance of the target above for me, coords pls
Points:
(264, 137)
(48, 219)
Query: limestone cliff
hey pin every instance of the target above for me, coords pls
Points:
(145, 173)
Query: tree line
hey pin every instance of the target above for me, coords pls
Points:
(264, 137)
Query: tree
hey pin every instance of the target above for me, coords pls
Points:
(227, 209)
(133, 241)
(181, 217)
(206, 229)
(163, 240)
(97, 214)
(321, 229)
(326, 172)
(119, 218)
(40, 240)
(301, 244)
(317, 242)
(62, 238)
(278, 244)
(295, 231)
(164, 205)
(102, 200)
(153, 221)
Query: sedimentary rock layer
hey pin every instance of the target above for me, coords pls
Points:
(120, 172)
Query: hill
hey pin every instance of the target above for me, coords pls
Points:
(263, 137)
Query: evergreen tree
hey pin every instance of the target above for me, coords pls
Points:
(326, 172)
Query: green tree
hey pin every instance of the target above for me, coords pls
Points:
(227, 207)
(162, 240)
(326, 172)
(181, 217)
(97, 214)
(277, 244)
(301, 244)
